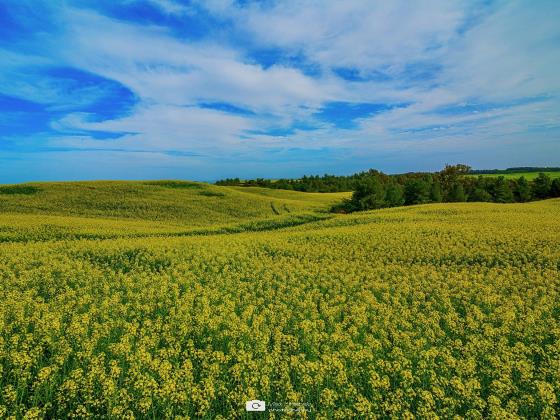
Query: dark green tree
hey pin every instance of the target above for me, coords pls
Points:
(502, 191)
(522, 190)
(394, 195)
(369, 194)
(555, 188)
(416, 191)
(541, 186)
(450, 175)
(480, 194)
(435, 192)
(457, 193)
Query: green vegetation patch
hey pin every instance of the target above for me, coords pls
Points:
(211, 194)
(175, 184)
(125, 261)
(530, 176)
(19, 189)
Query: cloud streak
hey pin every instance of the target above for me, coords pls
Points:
(338, 86)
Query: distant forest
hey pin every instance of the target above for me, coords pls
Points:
(373, 189)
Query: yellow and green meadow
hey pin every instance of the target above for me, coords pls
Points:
(529, 176)
(134, 300)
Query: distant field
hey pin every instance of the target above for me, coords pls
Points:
(157, 300)
(528, 175)
(179, 202)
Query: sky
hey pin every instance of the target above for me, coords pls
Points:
(204, 90)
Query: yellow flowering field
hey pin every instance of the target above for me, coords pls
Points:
(431, 311)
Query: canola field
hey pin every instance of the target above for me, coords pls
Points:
(175, 304)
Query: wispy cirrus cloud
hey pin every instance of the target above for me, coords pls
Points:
(228, 87)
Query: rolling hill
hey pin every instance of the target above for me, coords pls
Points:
(108, 209)
(164, 299)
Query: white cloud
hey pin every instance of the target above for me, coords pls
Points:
(505, 55)
(361, 34)
(162, 69)
(161, 128)
(514, 52)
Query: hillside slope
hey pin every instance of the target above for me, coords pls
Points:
(109, 209)
(190, 203)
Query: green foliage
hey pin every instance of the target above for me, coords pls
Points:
(229, 182)
(451, 185)
(529, 172)
(541, 186)
(175, 184)
(449, 176)
(481, 195)
(313, 183)
(369, 195)
(394, 195)
(436, 195)
(19, 189)
(502, 191)
(555, 188)
(457, 193)
(454, 183)
(523, 191)
(416, 191)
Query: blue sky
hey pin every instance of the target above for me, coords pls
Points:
(146, 89)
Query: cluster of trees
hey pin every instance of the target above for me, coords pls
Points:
(373, 189)
(314, 183)
(449, 185)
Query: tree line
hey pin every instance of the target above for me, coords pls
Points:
(374, 189)
(313, 183)
(449, 185)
